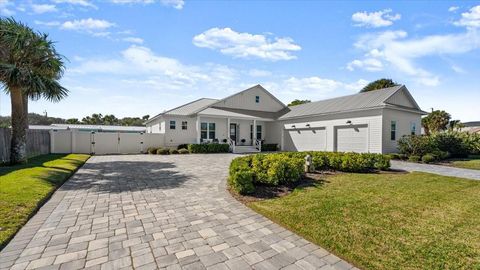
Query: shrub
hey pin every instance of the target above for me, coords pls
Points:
(183, 151)
(163, 151)
(394, 156)
(275, 169)
(416, 145)
(152, 150)
(182, 146)
(173, 151)
(209, 148)
(414, 158)
(452, 142)
(428, 158)
(269, 147)
(241, 175)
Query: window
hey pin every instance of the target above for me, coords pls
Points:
(393, 130)
(413, 128)
(259, 132)
(204, 131)
(211, 131)
(257, 99)
(207, 131)
(172, 124)
(184, 125)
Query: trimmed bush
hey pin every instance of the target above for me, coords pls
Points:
(163, 151)
(183, 151)
(269, 147)
(394, 156)
(173, 151)
(414, 158)
(152, 150)
(241, 175)
(428, 158)
(415, 145)
(453, 143)
(208, 148)
(182, 146)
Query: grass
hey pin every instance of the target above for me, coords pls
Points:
(472, 162)
(387, 221)
(24, 188)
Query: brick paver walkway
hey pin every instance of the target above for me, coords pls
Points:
(436, 169)
(151, 212)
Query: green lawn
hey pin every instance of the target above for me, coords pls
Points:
(387, 221)
(472, 163)
(23, 188)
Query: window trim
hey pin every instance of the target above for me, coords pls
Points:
(259, 131)
(184, 125)
(174, 124)
(393, 130)
(257, 99)
(208, 130)
(413, 128)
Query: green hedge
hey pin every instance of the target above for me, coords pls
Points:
(208, 148)
(269, 147)
(283, 168)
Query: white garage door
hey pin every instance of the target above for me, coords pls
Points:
(352, 139)
(308, 139)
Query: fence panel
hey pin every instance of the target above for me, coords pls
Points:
(38, 143)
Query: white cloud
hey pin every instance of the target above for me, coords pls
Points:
(311, 83)
(83, 3)
(43, 8)
(369, 64)
(356, 86)
(87, 25)
(453, 8)
(246, 45)
(259, 73)
(133, 40)
(375, 19)
(49, 23)
(177, 4)
(458, 69)
(470, 19)
(5, 8)
(400, 52)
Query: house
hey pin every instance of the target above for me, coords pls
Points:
(364, 122)
(472, 127)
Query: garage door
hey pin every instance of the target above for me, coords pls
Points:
(307, 139)
(352, 139)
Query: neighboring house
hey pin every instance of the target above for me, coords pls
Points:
(472, 127)
(91, 128)
(364, 122)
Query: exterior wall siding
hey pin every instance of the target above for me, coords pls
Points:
(400, 98)
(174, 137)
(404, 120)
(246, 101)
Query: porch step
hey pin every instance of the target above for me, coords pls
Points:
(243, 149)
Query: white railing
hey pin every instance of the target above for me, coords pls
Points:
(231, 144)
(258, 145)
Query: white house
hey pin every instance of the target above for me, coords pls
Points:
(363, 122)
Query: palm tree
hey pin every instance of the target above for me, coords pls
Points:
(30, 68)
(378, 84)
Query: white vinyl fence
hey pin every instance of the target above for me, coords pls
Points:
(101, 143)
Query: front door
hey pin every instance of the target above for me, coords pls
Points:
(233, 132)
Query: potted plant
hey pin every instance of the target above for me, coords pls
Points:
(224, 140)
(243, 141)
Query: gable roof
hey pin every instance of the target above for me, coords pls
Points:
(258, 86)
(187, 109)
(367, 100)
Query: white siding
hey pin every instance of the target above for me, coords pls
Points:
(401, 98)
(156, 126)
(371, 118)
(246, 101)
(403, 120)
(243, 130)
(174, 137)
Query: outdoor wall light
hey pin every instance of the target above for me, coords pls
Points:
(293, 126)
(307, 125)
(349, 122)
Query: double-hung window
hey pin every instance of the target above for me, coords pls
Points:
(413, 128)
(393, 130)
(257, 99)
(259, 132)
(172, 124)
(184, 125)
(207, 131)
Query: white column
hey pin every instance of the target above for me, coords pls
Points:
(254, 135)
(198, 129)
(282, 136)
(228, 128)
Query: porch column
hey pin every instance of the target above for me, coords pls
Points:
(198, 129)
(228, 129)
(254, 135)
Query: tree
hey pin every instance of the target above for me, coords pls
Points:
(378, 84)
(455, 125)
(72, 121)
(30, 68)
(435, 121)
(298, 102)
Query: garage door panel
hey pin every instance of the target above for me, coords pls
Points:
(352, 139)
(308, 139)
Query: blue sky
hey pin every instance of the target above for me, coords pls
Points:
(137, 57)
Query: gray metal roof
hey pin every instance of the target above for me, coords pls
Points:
(99, 127)
(354, 102)
(247, 114)
(188, 109)
(472, 124)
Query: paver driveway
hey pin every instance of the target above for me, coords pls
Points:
(149, 212)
